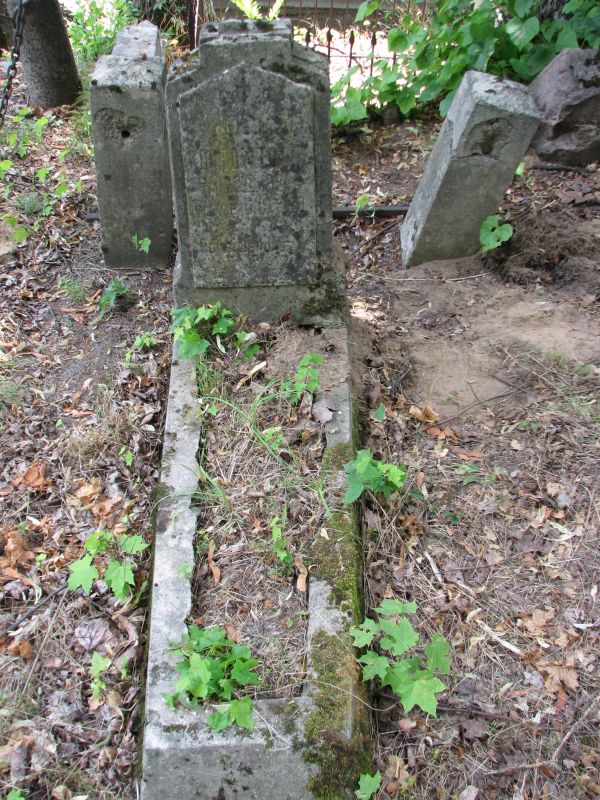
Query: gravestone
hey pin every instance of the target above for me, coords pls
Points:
(488, 129)
(249, 135)
(131, 152)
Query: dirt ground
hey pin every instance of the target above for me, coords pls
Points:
(495, 537)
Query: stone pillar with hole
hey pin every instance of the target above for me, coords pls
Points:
(131, 153)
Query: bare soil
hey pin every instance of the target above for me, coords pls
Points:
(506, 350)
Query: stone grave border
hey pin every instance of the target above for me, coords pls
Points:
(310, 746)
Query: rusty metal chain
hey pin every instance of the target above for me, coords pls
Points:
(15, 53)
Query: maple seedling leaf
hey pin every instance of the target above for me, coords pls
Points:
(437, 654)
(421, 691)
(119, 577)
(365, 633)
(99, 665)
(83, 574)
(374, 665)
(242, 672)
(401, 636)
(220, 719)
(131, 545)
(367, 786)
(195, 677)
(391, 608)
(241, 712)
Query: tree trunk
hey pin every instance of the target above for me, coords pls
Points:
(551, 9)
(48, 64)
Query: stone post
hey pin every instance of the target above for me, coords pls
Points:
(46, 56)
(131, 153)
(249, 134)
(488, 129)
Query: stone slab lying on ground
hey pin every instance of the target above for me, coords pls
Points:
(252, 182)
(488, 129)
(131, 152)
(309, 746)
(567, 93)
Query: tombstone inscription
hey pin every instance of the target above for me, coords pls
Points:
(249, 134)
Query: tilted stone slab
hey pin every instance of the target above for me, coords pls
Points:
(310, 746)
(488, 129)
(131, 152)
(249, 133)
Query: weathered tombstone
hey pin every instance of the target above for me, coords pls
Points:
(567, 93)
(488, 129)
(249, 134)
(130, 146)
(48, 64)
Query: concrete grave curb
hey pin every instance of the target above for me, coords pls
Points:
(309, 746)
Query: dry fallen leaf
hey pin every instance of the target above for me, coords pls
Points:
(302, 573)
(89, 491)
(537, 621)
(426, 414)
(216, 572)
(16, 549)
(35, 477)
(21, 648)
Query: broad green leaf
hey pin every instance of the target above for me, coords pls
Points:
(399, 675)
(566, 38)
(401, 636)
(367, 786)
(83, 574)
(223, 325)
(119, 578)
(354, 489)
(422, 692)
(131, 545)
(389, 607)
(365, 9)
(242, 672)
(99, 665)
(523, 7)
(521, 32)
(379, 414)
(364, 635)
(374, 665)
(241, 712)
(437, 654)
(20, 234)
(397, 40)
(195, 678)
(393, 475)
(15, 794)
(191, 344)
(98, 542)
(220, 719)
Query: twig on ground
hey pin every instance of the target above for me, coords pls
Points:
(507, 645)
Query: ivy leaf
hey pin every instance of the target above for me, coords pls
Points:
(379, 414)
(83, 574)
(219, 720)
(130, 545)
(223, 325)
(421, 692)
(241, 712)
(389, 608)
(367, 786)
(191, 344)
(437, 654)
(374, 665)
(242, 672)
(523, 7)
(365, 634)
(119, 577)
(401, 636)
(195, 678)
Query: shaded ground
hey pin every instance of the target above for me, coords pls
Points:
(496, 537)
(505, 351)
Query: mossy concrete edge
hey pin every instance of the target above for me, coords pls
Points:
(311, 747)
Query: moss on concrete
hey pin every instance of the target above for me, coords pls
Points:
(337, 731)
